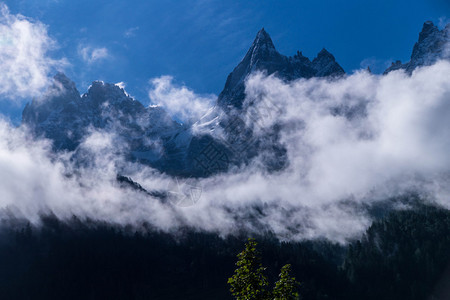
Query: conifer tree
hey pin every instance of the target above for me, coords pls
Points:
(249, 281)
(286, 287)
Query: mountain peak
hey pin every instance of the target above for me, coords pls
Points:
(326, 65)
(325, 54)
(262, 43)
(62, 82)
(427, 29)
(431, 46)
(262, 33)
(262, 56)
(101, 92)
(99, 86)
(61, 77)
(59, 95)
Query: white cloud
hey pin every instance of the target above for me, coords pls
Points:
(342, 157)
(130, 32)
(402, 134)
(24, 61)
(91, 55)
(443, 21)
(179, 100)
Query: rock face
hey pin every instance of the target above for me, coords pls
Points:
(149, 135)
(262, 56)
(433, 44)
(66, 118)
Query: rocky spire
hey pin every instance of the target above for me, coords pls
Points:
(262, 51)
(324, 54)
(63, 83)
(431, 42)
(262, 55)
(59, 94)
(325, 64)
(428, 29)
(431, 46)
(262, 43)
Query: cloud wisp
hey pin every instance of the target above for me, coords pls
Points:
(92, 55)
(131, 32)
(351, 142)
(24, 56)
(179, 101)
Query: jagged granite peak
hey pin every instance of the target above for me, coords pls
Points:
(64, 81)
(428, 29)
(262, 45)
(325, 64)
(65, 117)
(431, 41)
(433, 44)
(62, 88)
(263, 56)
(104, 90)
(300, 57)
(61, 93)
(324, 54)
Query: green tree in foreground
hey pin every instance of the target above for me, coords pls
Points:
(250, 283)
(286, 287)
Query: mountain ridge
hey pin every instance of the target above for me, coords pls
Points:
(263, 56)
(154, 138)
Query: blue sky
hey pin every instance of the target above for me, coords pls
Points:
(200, 42)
